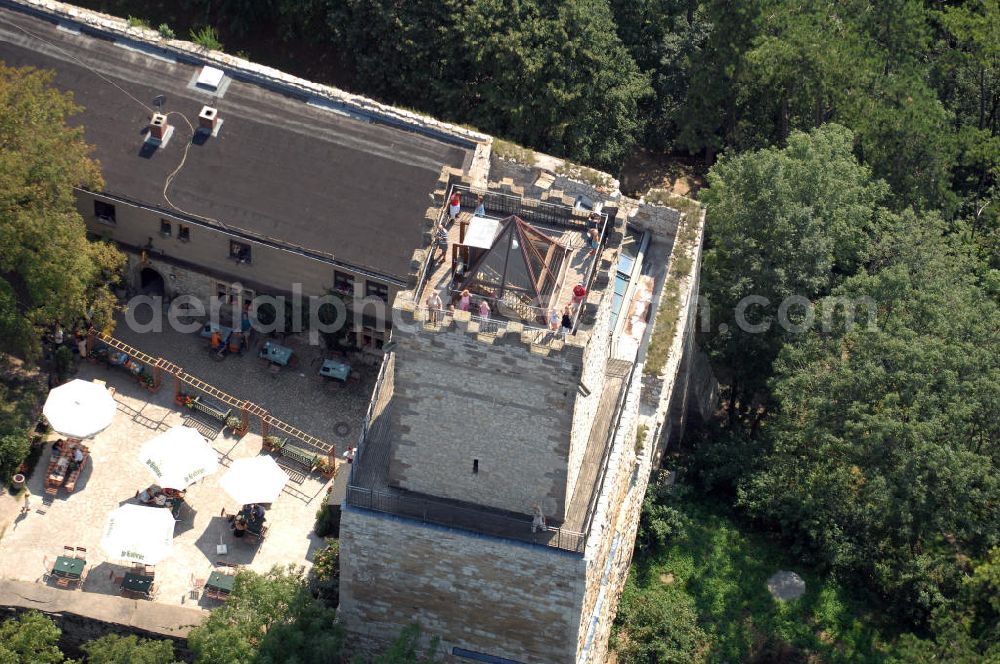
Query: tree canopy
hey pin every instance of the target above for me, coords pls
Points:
(884, 451)
(49, 270)
(785, 223)
(117, 649)
(268, 618)
(30, 637)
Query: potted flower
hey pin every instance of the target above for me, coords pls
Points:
(235, 425)
(272, 443)
(324, 466)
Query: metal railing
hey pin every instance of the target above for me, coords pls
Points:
(612, 432)
(472, 519)
(366, 424)
(529, 209)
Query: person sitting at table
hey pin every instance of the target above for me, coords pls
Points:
(57, 447)
(257, 512)
(149, 494)
(216, 340)
(77, 459)
(236, 342)
(173, 493)
(61, 465)
(239, 527)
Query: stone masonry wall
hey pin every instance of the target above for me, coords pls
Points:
(595, 362)
(609, 548)
(458, 400)
(616, 520)
(83, 617)
(483, 594)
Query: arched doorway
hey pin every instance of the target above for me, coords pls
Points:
(151, 282)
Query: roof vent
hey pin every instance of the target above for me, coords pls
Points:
(158, 127)
(210, 77)
(208, 120)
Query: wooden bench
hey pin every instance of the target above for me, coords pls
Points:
(209, 409)
(257, 535)
(304, 458)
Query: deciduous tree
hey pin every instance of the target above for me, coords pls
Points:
(885, 463)
(49, 270)
(782, 223)
(30, 637)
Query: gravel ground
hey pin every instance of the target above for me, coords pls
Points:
(298, 396)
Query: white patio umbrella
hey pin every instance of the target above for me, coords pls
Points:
(139, 534)
(255, 480)
(79, 409)
(178, 457)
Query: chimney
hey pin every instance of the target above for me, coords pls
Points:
(158, 126)
(208, 119)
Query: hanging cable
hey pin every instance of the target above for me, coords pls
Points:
(173, 174)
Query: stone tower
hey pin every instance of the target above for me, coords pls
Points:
(497, 488)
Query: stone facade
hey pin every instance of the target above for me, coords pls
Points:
(273, 269)
(477, 593)
(467, 417)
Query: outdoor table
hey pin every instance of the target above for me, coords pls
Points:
(208, 328)
(276, 353)
(335, 369)
(67, 567)
(221, 583)
(137, 583)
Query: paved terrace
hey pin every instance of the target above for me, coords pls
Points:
(111, 478)
(297, 395)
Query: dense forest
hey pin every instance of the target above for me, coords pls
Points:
(852, 150)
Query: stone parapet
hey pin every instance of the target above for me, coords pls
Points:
(86, 616)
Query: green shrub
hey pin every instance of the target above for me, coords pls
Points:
(64, 363)
(659, 625)
(513, 152)
(325, 521)
(166, 31)
(136, 22)
(326, 561)
(14, 449)
(207, 38)
(640, 438)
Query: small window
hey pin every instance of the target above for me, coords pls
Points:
(222, 290)
(105, 212)
(183, 232)
(372, 338)
(343, 283)
(164, 228)
(375, 289)
(475, 466)
(239, 252)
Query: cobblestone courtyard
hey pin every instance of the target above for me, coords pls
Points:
(297, 395)
(111, 478)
